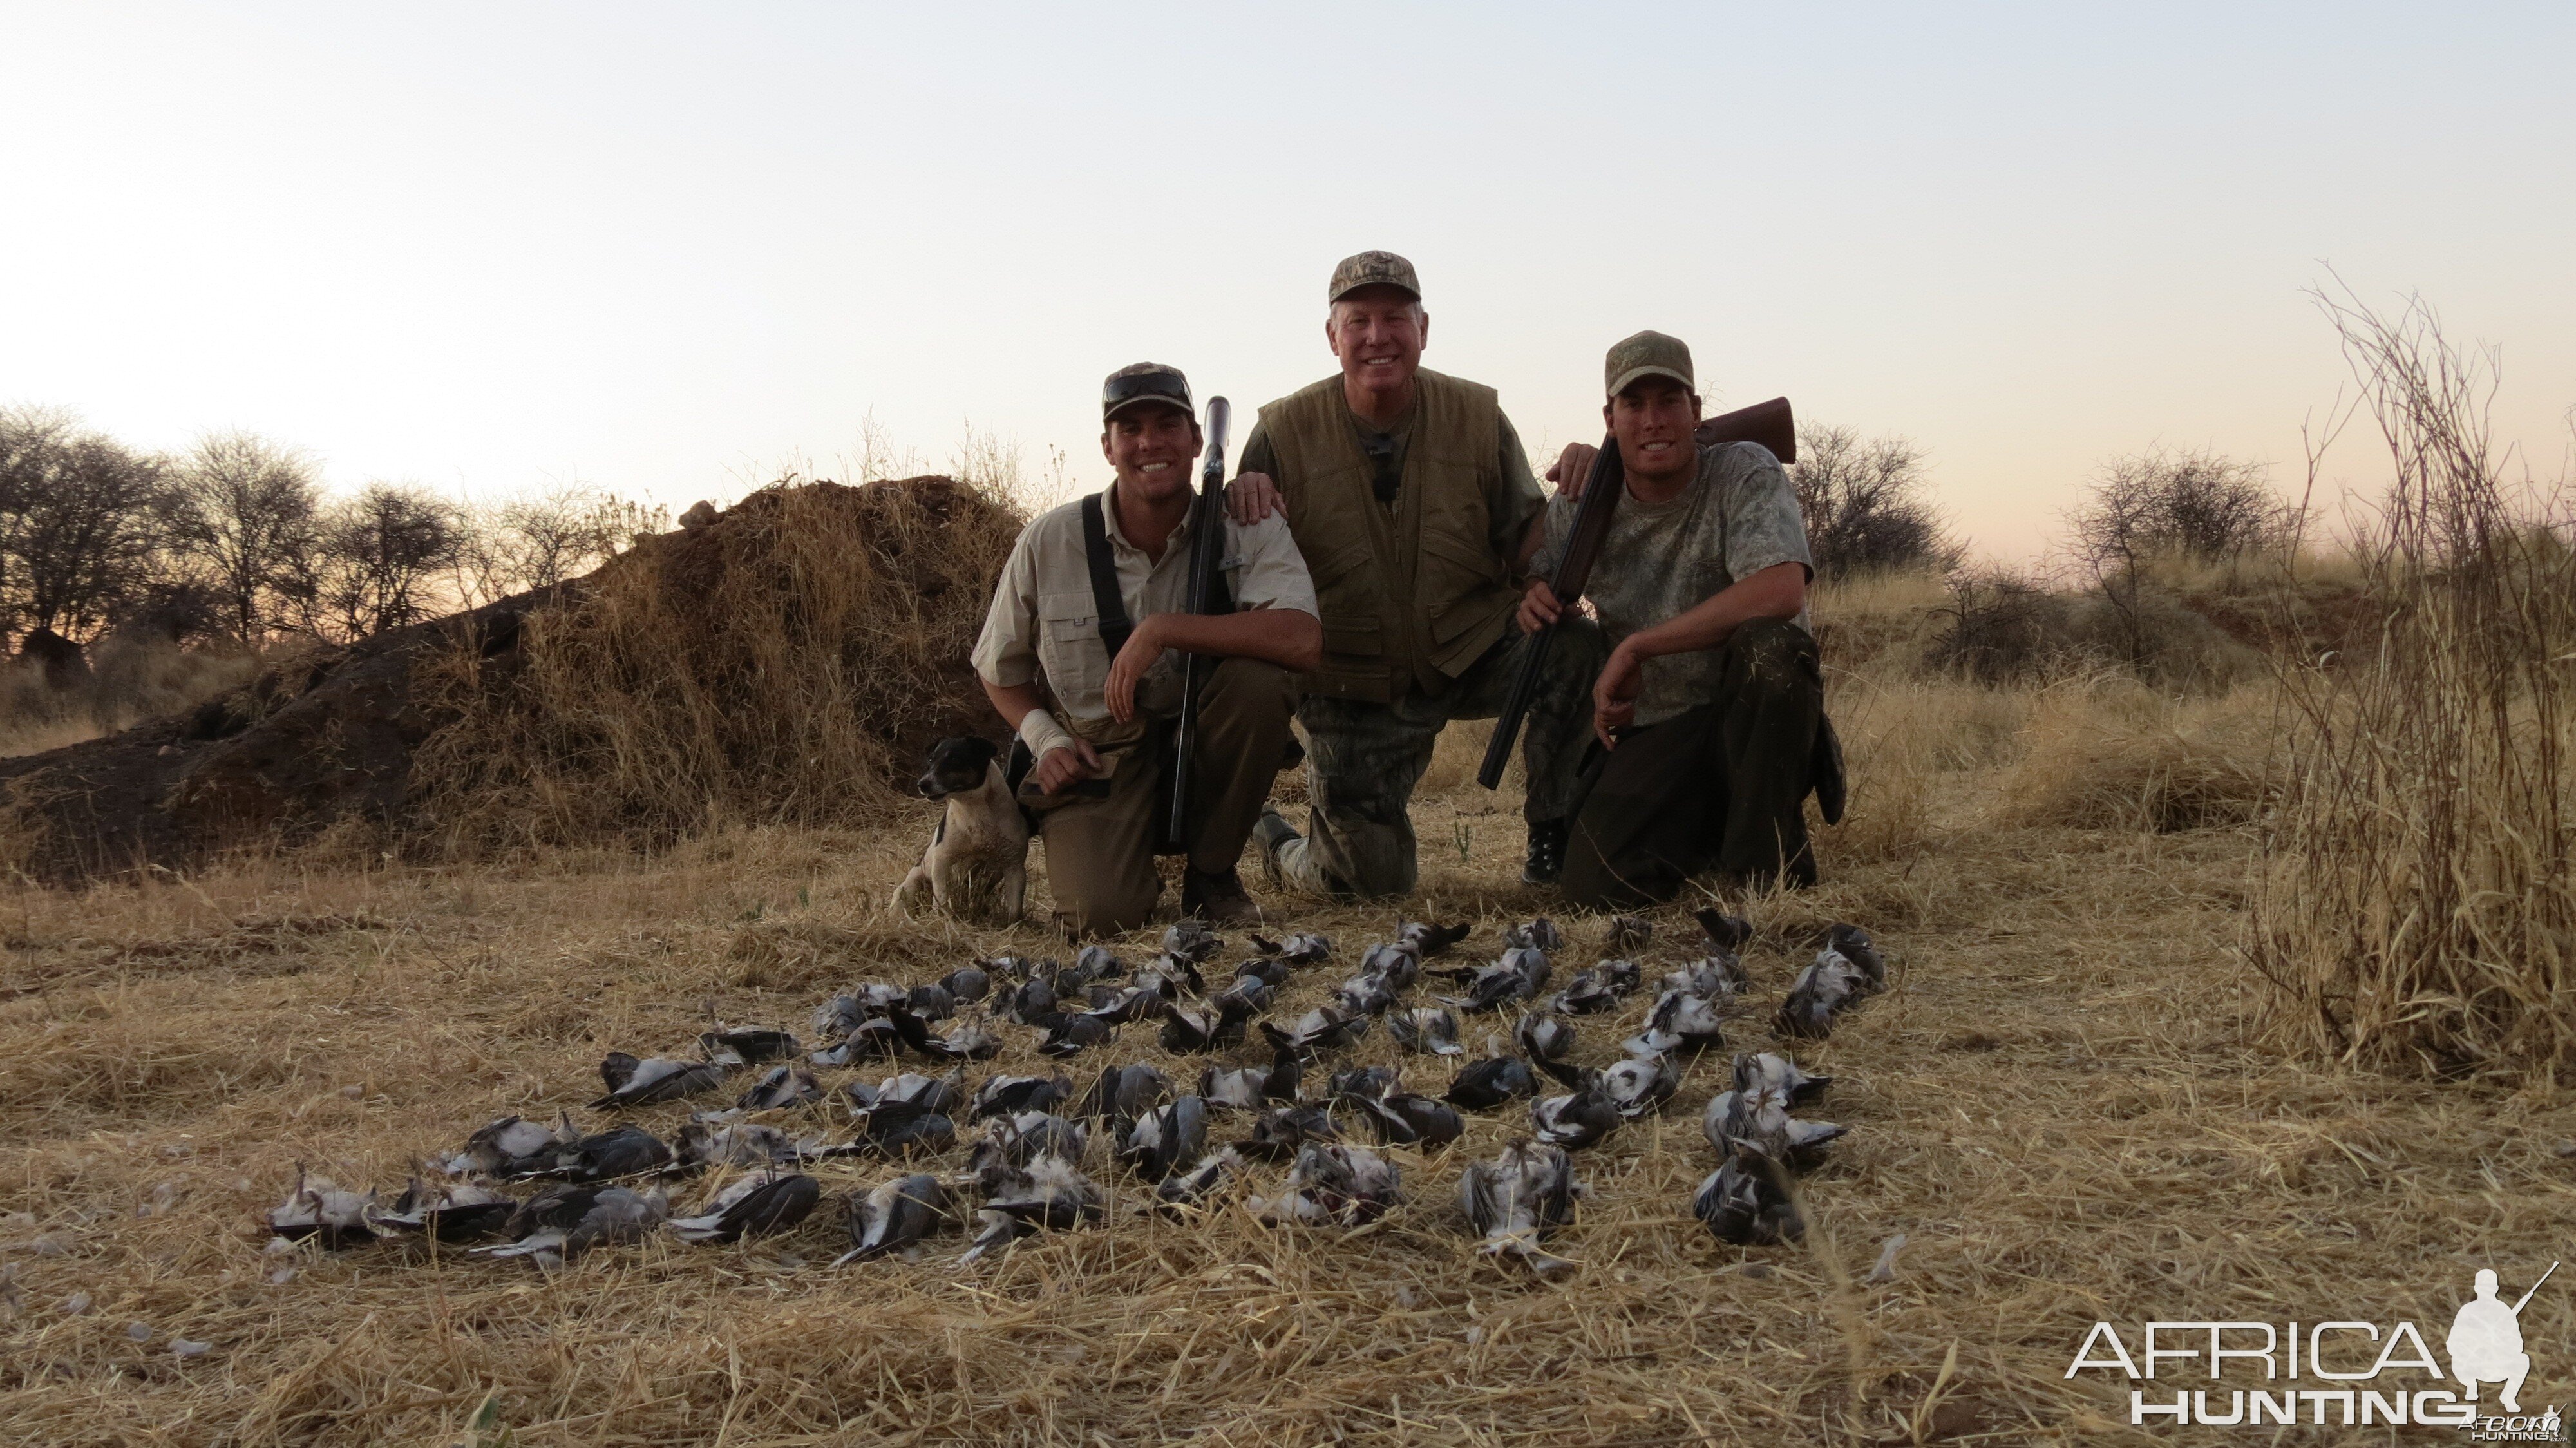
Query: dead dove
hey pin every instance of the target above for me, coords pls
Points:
(970, 1040)
(461, 1212)
(893, 1217)
(616, 1152)
(1539, 934)
(747, 1048)
(752, 1207)
(1330, 1183)
(1165, 1137)
(1746, 1202)
(1432, 1029)
(1828, 986)
(317, 1210)
(718, 1140)
(1272, 970)
(1633, 1086)
(1193, 1030)
(1050, 1194)
(1758, 1119)
(1123, 1094)
(1628, 934)
(1011, 1095)
(1299, 949)
(967, 984)
(1189, 938)
(1250, 994)
(1680, 1021)
(1009, 967)
(900, 1128)
(1727, 933)
(1491, 1082)
(1252, 1086)
(1021, 1139)
(512, 1147)
(1120, 1004)
(1544, 1036)
(633, 1082)
(1364, 995)
(1764, 1069)
(931, 1093)
(1520, 975)
(1429, 939)
(1190, 1187)
(1096, 962)
(872, 1037)
(1853, 944)
(612, 1214)
(1576, 1120)
(1713, 976)
(1363, 1081)
(1399, 964)
(931, 1001)
(1401, 1118)
(1070, 1033)
(1598, 989)
(1280, 1133)
(1519, 1199)
(1031, 1002)
(1325, 1028)
(783, 1086)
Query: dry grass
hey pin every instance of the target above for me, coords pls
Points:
(130, 680)
(2058, 1106)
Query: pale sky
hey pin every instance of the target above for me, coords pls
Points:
(671, 249)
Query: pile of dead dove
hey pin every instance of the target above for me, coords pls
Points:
(1020, 1151)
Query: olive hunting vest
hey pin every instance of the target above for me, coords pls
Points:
(1410, 595)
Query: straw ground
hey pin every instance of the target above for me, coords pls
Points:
(2062, 1107)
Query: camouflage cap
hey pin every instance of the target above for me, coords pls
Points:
(1373, 269)
(1140, 383)
(1648, 354)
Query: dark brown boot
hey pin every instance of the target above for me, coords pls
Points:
(1217, 899)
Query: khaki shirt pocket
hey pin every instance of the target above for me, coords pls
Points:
(1071, 653)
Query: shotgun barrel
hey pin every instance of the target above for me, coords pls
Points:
(1601, 490)
(1207, 554)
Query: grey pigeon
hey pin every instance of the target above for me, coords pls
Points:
(1325, 1028)
(1095, 962)
(1070, 1033)
(782, 1087)
(1746, 1202)
(1190, 1031)
(1165, 1137)
(1432, 1029)
(718, 1140)
(1639, 1084)
(1539, 934)
(1491, 1082)
(752, 1207)
(1050, 1194)
(616, 1152)
(1299, 949)
(1401, 1118)
(1518, 1200)
(1764, 1069)
(1830, 985)
(1189, 938)
(932, 1001)
(1190, 1187)
(1680, 1021)
(633, 1082)
(1576, 1120)
(1399, 964)
(1544, 1036)
(1367, 994)
(1031, 1002)
(893, 1217)
(1124, 1093)
(1282, 1132)
(1250, 994)
(1597, 989)
(1333, 1184)
(1713, 976)
(512, 1147)
(1727, 933)
(1011, 1095)
(458, 1212)
(900, 1128)
(1018, 1140)
(317, 1210)
(1272, 970)
(967, 984)
(1429, 939)
(1628, 934)
(1363, 1081)
(614, 1214)
(1853, 944)
(747, 1047)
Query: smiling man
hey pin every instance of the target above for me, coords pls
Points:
(1710, 709)
(1409, 495)
(1094, 697)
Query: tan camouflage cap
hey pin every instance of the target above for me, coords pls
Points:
(1648, 354)
(1373, 269)
(1139, 383)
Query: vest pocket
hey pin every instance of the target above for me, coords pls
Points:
(1458, 584)
(1070, 650)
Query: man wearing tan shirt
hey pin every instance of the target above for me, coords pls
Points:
(1096, 708)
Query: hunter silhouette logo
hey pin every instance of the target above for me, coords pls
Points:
(2341, 1371)
(2486, 1341)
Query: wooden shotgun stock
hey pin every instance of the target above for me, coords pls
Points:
(1768, 423)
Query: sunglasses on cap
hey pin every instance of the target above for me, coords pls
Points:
(1158, 386)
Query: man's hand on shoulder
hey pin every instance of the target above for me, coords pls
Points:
(1573, 468)
(1252, 497)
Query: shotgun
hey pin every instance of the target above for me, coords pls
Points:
(1207, 554)
(1768, 423)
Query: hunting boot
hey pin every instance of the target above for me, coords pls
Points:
(1546, 852)
(1218, 899)
(1270, 832)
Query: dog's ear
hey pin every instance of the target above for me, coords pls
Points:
(977, 753)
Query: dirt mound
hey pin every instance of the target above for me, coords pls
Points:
(787, 660)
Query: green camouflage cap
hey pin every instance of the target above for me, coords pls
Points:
(1373, 269)
(1648, 354)
(1140, 383)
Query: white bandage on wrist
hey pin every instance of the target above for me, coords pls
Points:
(1040, 733)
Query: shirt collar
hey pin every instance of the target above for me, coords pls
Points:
(1118, 536)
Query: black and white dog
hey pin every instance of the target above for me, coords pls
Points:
(977, 866)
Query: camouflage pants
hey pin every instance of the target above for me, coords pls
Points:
(1363, 761)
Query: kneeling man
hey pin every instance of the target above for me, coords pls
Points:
(1711, 706)
(1081, 653)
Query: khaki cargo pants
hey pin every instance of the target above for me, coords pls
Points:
(1364, 759)
(1100, 852)
(1722, 786)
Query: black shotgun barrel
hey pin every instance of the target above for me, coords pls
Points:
(1207, 554)
(1601, 490)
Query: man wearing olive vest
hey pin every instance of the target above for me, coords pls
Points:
(1409, 495)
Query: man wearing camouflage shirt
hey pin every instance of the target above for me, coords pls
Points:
(1710, 710)
(1412, 502)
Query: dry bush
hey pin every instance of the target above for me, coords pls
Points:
(2108, 755)
(131, 678)
(2419, 903)
(781, 664)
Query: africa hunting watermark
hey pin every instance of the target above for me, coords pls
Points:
(2484, 1346)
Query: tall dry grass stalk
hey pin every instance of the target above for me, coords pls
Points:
(2418, 905)
(774, 667)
